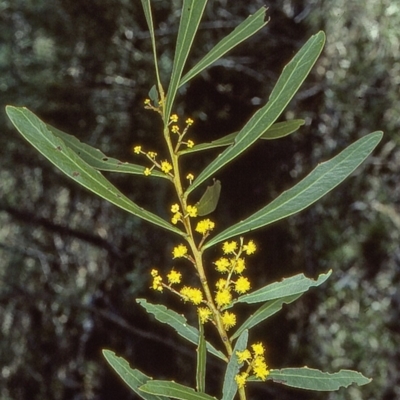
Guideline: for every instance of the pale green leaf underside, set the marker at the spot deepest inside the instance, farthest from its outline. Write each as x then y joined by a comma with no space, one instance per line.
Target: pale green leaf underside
229,388
276,131
174,390
288,83
179,323
132,377
264,312
209,200
320,181
247,28
97,159
66,160
288,286
313,379
192,11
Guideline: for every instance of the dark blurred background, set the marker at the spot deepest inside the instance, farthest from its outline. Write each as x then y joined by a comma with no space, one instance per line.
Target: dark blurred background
71,265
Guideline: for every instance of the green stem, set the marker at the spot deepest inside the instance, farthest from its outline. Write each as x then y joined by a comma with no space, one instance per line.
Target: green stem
196,251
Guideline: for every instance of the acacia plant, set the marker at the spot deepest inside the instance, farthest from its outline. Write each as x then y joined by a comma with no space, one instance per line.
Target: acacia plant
244,360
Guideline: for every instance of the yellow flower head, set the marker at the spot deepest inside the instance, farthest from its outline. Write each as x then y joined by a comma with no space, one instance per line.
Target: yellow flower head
229,247
222,265
228,320
175,129
250,247
241,379
190,144
258,349
157,281
192,211
243,356
173,118
221,284
137,149
175,208
189,177
223,298
176,218
147,171
205,226
260,368
147,102
238,265
189,121
242,285
166,167
152,154
174,277
192,294
179,251
205,314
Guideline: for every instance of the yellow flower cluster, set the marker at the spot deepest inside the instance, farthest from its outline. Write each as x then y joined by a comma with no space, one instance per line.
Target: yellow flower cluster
255,361
205,226
191,211
156,107
157,280
165,166
204,313
193,295
173,120
179,251
234,264
187,293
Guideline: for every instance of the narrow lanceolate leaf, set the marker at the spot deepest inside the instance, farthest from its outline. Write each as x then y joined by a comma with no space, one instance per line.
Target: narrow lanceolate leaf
208,202
276,131
229,388
179,323
174,390
320,181
201,360
149,19
243,31
132,377
98,160
65,159
288,84
295,284
192,11
264,312
313,379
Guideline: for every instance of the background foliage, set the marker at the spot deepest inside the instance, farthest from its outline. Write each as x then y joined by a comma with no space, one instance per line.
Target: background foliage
71,265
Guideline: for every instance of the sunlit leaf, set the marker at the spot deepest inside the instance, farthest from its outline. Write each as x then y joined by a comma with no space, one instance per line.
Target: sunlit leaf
149,19
192,11
313,379
132,377
243,31
264,312
97,159
229,388
276,131
65,159
286,287
288,84
320,181
174,390
179,323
